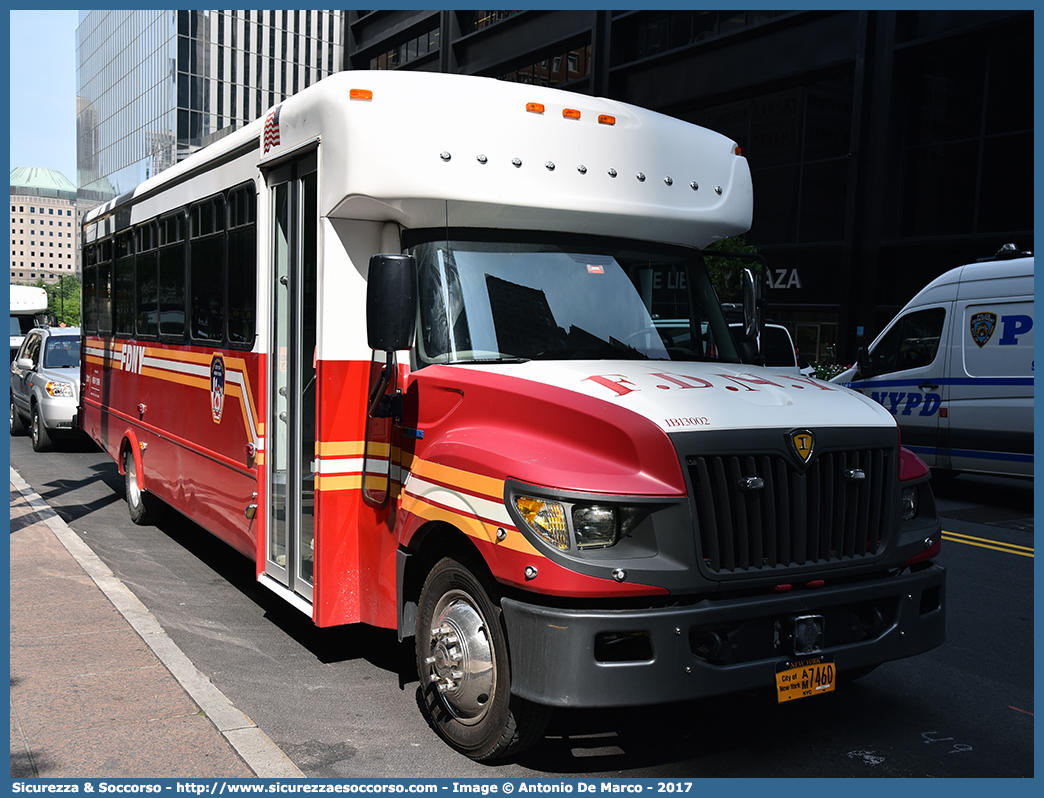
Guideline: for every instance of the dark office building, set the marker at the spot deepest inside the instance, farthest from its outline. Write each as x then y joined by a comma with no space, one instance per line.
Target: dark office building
885,146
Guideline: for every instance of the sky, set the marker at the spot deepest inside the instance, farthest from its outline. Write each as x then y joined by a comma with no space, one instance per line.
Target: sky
43,90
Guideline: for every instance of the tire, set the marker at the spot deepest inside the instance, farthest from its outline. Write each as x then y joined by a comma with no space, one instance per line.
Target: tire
465,674
143,506
38,432
17,423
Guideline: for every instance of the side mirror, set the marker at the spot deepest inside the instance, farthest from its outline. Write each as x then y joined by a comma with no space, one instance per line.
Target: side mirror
391,302
751,301
24,363
863,362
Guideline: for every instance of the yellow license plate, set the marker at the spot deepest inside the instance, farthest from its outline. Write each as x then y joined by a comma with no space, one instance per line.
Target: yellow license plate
805,677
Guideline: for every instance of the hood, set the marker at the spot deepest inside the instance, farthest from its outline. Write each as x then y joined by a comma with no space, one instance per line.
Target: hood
685,397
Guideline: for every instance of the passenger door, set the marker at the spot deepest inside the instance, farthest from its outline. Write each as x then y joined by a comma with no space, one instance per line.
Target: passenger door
291,422
907,366
22,378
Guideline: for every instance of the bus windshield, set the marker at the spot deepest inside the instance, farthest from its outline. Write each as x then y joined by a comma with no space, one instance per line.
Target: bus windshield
574,299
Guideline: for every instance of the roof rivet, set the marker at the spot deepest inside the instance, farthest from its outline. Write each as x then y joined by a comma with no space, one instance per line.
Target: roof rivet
516,162
694,186
668,181
641,177
582,169
612,173
482,159
444,155
718,189
550,166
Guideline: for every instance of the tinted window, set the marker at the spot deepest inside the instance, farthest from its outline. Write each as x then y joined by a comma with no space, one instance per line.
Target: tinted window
912,342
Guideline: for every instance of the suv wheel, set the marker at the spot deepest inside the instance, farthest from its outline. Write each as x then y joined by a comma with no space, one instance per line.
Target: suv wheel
41,439
17,424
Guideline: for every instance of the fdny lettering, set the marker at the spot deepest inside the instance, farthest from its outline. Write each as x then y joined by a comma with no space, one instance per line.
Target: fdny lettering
667,381
894,400
131,358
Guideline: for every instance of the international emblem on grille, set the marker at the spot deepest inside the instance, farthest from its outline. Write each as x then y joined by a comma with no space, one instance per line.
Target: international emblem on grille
982,327
803,442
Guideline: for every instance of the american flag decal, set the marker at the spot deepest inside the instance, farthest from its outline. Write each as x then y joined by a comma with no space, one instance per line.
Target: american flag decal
271,134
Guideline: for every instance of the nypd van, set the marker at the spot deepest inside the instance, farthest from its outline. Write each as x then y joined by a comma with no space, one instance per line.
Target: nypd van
955,367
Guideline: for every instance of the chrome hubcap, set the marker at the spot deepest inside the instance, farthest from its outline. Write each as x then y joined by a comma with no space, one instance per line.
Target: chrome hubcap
133,493
461,664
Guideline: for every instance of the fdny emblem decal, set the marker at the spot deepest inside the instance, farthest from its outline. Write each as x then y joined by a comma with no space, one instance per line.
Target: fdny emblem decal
982,327
217,386
802,441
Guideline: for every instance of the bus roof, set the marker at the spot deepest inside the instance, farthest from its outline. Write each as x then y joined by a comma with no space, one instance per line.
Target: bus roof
429,150
27,299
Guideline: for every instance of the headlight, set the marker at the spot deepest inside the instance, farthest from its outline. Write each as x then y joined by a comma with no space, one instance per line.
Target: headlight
908,502
59,389
566,526
594,527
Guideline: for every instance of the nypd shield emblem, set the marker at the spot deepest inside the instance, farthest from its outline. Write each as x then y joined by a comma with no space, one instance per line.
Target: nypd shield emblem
982,327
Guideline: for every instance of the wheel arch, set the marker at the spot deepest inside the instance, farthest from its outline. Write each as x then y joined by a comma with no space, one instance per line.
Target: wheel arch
432,542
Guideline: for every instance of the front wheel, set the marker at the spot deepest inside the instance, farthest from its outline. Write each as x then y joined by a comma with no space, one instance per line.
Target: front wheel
462,660
38,432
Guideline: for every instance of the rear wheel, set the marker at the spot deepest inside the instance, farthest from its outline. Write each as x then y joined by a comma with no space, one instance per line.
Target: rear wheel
462,660
38,432
144,507
17,424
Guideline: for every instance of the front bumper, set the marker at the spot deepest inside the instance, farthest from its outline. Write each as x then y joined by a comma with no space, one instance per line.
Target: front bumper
59,413
563,657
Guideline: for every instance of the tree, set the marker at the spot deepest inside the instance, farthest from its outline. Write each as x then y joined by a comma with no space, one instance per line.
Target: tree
725,271
63,300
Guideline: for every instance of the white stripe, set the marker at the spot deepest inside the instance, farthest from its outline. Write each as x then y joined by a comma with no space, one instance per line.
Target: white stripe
472,505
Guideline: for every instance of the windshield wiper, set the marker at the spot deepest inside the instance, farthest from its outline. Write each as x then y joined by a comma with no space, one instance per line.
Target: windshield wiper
486,360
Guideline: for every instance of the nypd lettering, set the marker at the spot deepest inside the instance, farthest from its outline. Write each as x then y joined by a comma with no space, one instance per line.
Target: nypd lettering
903,403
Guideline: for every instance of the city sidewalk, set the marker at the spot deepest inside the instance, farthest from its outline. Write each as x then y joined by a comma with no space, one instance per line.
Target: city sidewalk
98,689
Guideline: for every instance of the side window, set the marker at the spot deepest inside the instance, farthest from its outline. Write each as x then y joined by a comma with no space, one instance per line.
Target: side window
172,277
912,342
242,265
207,269
124,284
32,349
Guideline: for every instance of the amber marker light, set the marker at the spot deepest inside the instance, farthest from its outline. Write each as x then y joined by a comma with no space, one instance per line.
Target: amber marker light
605,119
535,108
570,113
360,94
739,150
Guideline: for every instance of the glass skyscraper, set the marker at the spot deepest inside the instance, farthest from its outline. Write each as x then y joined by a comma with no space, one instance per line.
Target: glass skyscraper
154,86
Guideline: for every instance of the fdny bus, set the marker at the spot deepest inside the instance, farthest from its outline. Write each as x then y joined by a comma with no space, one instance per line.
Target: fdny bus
441,355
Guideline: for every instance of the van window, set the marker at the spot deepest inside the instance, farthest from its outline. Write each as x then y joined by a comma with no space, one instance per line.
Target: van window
912,342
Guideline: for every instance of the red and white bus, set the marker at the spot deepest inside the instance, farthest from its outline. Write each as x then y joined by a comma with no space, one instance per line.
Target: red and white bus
440,354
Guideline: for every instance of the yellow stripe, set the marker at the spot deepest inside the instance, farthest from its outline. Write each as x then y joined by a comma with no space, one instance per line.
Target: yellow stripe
486,486
967,540
349,482
470,526
347,448
180,379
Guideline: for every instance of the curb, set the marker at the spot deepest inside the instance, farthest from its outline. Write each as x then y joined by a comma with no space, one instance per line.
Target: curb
262,755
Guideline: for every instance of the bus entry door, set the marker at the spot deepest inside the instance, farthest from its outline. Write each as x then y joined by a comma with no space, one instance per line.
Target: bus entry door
291,422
